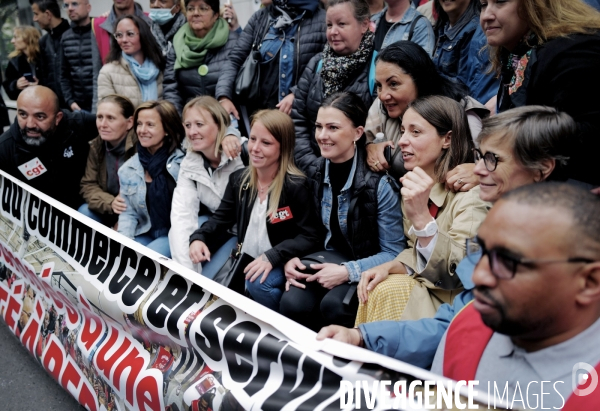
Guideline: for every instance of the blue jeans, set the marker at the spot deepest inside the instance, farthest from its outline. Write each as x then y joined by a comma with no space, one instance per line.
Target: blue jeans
159,244
85,210
268,293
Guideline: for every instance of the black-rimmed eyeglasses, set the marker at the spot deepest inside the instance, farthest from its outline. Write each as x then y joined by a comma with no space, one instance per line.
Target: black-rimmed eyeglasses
504,263
489,159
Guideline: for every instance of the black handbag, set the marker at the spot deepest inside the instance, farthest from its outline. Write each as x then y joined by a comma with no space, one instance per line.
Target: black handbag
247,86
231,275
327,256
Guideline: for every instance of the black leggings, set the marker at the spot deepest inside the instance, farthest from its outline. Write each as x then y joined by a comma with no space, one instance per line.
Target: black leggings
316,307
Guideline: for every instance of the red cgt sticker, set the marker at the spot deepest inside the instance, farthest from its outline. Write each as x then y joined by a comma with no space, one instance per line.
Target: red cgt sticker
283,214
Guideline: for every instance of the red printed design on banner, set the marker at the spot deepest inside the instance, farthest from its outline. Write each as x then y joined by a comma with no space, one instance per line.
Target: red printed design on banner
282,214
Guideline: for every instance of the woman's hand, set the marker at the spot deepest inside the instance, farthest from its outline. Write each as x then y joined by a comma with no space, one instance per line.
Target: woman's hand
416,187
292,274
23,83
461,178
261,265
229,107
231,146
369,280
375,157
199,252
285,105
230,16
329,275
118,205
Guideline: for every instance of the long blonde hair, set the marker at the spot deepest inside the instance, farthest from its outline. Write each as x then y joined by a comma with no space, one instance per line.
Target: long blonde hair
281,126
31,37
550,19
218,114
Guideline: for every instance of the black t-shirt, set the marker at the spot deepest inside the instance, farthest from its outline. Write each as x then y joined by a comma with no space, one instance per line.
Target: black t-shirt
382,28
338,176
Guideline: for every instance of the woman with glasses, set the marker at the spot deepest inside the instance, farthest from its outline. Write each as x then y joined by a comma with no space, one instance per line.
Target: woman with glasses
134,65
435,138
548,53
200,50
518,147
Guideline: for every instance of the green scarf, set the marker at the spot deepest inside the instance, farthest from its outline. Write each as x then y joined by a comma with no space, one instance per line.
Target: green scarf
191,50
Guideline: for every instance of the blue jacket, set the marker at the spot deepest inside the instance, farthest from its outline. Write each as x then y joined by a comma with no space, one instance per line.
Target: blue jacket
422,34
135,220
416,342
389,213
460,54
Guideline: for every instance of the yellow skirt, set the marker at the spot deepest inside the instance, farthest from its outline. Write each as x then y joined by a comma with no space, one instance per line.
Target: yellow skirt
403,297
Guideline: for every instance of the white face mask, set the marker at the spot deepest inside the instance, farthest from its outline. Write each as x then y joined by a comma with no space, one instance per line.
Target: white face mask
161,16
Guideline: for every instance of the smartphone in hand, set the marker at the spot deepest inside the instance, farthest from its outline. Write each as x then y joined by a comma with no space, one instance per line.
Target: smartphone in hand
29,77
387,153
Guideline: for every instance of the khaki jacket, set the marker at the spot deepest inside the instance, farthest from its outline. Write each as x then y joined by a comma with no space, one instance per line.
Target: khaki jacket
93,183
116,78
458,218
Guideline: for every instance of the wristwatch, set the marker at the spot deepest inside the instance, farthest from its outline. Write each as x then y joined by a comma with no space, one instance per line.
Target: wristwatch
430,229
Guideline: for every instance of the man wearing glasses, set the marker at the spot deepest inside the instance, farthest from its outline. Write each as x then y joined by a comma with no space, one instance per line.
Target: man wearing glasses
536,314
80,58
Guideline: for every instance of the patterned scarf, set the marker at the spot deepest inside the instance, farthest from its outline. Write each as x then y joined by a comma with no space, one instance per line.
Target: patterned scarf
517,61
338,70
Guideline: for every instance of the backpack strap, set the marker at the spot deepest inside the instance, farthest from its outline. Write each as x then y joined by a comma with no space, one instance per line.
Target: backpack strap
411,31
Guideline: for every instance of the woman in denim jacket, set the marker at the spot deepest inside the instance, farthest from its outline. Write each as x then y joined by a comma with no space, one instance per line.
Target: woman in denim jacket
148,179
459,52
360,210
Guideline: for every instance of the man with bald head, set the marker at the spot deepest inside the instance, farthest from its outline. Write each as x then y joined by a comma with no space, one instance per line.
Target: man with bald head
48,148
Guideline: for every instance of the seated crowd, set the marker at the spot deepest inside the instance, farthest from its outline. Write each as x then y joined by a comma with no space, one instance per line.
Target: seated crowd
431,186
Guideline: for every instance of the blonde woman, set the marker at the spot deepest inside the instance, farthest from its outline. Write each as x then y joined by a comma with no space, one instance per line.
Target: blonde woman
548,53
271,200
203,177
23,68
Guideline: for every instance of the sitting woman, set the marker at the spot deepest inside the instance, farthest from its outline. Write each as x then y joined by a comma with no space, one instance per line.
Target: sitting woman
134,64
405,72
200,49
518,147
203,177
435,139
346,64
360,211
148,179
272,202
115,144
24,66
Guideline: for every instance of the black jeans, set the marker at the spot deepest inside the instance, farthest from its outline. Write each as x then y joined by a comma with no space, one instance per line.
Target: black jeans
316,307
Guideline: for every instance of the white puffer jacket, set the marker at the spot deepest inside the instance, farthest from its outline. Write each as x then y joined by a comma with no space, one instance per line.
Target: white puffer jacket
116,78
194,186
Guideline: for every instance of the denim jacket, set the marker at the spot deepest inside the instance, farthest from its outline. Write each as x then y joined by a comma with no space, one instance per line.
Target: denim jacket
282,39
135,220
416,342
422,35
460,54
389,217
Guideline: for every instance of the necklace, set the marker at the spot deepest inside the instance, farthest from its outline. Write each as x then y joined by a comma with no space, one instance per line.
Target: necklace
261,189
